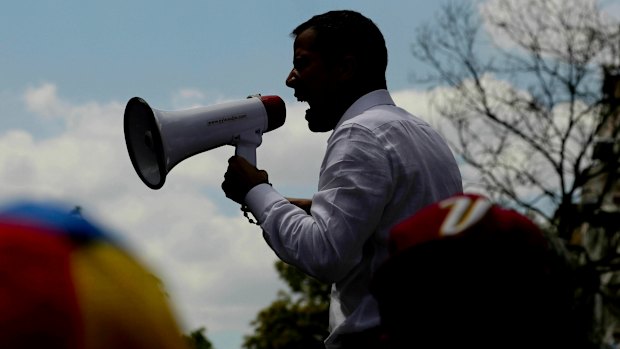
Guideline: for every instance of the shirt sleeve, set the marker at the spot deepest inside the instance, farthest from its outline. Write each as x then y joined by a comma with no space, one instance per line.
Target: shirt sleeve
354,187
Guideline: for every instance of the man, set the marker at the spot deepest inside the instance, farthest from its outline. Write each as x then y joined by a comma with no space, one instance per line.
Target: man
381,165
465,273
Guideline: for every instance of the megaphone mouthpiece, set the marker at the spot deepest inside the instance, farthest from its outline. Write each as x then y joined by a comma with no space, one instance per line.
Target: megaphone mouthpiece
276,111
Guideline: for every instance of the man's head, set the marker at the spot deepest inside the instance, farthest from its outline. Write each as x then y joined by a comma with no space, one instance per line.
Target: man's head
338,57
465,272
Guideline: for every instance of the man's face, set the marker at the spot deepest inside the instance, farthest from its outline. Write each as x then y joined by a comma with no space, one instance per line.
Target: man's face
316,83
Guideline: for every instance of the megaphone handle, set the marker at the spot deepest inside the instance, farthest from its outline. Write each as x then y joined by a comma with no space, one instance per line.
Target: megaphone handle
246,151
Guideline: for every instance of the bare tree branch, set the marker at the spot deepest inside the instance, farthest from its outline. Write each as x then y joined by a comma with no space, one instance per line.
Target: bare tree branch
521,85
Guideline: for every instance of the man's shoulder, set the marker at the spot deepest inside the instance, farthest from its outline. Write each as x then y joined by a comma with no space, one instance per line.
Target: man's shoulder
385,116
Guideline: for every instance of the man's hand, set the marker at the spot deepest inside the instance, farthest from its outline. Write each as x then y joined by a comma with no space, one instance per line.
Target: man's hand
240,177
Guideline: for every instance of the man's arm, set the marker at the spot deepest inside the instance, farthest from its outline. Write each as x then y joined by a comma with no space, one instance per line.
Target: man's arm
304,204
354,186
242,176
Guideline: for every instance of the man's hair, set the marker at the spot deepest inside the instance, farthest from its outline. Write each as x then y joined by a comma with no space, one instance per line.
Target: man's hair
343,32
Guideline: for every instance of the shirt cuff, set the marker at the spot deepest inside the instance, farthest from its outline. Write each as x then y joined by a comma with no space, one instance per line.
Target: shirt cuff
260,198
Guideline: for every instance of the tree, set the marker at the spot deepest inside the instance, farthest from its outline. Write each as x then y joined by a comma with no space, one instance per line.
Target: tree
198,340
296,319
519,84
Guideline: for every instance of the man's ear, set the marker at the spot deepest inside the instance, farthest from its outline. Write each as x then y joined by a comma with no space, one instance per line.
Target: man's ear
348,68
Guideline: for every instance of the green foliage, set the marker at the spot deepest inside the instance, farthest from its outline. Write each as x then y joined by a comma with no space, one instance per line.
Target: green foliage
296,319
309,288
198,340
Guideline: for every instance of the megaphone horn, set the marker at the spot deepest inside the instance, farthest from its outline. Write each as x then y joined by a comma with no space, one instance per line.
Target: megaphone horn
157,140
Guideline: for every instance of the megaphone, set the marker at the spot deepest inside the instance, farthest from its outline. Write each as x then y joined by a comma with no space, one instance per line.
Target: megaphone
158,140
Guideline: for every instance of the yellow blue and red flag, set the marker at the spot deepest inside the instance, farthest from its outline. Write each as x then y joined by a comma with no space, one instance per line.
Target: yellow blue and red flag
65,283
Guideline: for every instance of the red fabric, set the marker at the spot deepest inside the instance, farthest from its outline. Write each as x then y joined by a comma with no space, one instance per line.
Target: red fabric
473,217
38,306
465,273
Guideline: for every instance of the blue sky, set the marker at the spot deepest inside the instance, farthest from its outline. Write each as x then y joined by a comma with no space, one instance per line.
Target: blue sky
113,50
67,69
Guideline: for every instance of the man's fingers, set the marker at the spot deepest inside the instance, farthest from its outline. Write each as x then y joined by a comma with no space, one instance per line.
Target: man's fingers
238,163
240,177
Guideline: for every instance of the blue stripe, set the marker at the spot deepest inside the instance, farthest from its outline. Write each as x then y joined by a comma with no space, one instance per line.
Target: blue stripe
57,217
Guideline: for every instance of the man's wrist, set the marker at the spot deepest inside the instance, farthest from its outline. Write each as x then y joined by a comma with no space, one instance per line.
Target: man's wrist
260,197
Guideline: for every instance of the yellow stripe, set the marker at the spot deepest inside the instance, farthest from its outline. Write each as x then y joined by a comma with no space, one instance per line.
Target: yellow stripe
123,305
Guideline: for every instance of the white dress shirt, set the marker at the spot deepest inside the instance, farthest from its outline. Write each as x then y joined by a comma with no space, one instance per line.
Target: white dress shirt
382,164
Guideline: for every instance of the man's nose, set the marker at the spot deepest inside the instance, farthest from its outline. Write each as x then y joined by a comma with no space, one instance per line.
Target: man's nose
291,79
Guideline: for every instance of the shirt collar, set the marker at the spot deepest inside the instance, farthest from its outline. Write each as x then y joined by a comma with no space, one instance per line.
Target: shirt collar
367,101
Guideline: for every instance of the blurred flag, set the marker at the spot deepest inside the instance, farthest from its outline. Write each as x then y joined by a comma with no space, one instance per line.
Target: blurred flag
66,283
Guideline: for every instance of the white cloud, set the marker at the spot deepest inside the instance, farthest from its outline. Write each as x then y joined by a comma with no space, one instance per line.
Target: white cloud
43,100
415,102
188,98
612,9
